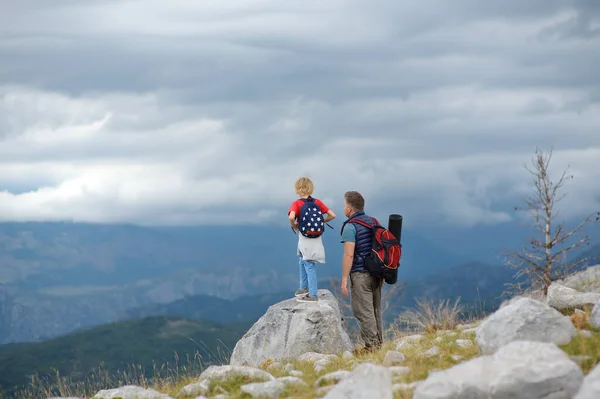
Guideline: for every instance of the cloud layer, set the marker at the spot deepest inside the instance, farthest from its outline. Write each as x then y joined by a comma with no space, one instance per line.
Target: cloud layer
202,112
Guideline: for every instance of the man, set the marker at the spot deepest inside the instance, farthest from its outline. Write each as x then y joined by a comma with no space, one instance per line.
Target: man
365,289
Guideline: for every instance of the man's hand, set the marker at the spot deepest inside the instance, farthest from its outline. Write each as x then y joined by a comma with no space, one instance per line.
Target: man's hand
345,287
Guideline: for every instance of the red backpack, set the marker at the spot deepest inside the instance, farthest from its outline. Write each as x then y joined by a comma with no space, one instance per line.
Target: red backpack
386,251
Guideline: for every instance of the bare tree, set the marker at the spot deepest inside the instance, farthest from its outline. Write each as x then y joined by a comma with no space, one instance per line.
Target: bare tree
544,259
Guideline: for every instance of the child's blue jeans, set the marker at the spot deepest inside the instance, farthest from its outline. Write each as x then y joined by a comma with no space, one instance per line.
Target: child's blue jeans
308,276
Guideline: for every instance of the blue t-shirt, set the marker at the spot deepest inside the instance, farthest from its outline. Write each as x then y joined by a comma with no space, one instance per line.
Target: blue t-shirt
349,233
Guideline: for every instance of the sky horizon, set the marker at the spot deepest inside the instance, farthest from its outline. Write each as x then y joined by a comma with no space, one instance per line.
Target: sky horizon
190,113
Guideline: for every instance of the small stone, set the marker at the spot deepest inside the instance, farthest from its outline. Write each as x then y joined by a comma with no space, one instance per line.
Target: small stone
586,333
469,331
288,367
438,340
393,358
296,373
402,345
464,343
130,392
331,378
431,352
274,366
313,357
270,389
456,358
321,365
413,338
195,389
579,311
292,381
347,356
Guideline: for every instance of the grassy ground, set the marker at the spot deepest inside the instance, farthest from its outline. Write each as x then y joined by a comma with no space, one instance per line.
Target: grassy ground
171,381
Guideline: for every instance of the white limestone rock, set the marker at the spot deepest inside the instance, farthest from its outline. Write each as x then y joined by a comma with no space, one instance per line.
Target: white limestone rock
525,319
518,370
290,328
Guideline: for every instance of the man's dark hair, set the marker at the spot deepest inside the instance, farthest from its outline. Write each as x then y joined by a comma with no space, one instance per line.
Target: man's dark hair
355,200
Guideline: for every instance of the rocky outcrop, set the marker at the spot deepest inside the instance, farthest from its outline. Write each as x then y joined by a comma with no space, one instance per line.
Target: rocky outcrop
291,328
367,381
526,319
562,297
521,369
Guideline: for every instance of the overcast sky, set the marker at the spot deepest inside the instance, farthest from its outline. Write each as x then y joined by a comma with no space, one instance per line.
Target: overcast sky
202,111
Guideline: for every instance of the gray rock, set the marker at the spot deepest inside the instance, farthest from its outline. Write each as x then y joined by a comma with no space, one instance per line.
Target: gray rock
296,373
292,381
456,358
518,370
324,390
431,352
586,333
321,365
587,280
367,381
590,389
221,373
313,357
393,358
290,328
270,389
403,386
347,356
464,343
561,297
412,338
403,345
331,378
130,392
526,319
595,316
288,367
195,389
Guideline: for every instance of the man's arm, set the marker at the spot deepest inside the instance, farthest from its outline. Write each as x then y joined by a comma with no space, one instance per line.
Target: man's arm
347,259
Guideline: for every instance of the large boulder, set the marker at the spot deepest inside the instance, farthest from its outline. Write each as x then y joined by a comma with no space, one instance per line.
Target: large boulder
590,389
290,328
367,381
519,370
562,297
526,319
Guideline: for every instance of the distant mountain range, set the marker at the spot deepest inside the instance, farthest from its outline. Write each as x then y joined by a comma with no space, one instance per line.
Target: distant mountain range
56,278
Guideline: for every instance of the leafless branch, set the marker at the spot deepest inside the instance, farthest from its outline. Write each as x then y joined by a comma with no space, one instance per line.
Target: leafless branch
541,261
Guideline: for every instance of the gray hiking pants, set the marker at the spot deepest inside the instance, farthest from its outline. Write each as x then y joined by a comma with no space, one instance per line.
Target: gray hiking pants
366,306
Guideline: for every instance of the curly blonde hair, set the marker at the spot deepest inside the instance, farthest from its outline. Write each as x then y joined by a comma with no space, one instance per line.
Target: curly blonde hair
304,187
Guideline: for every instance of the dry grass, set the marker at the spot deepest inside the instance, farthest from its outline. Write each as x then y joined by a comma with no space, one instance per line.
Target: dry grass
430,316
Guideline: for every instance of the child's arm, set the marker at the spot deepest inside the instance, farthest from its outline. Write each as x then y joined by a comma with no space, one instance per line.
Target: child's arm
330,216
292,218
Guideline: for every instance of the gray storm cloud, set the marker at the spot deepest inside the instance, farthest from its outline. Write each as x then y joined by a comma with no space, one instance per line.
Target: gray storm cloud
186,111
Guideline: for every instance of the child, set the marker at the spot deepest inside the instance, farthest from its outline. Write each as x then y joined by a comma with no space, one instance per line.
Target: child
310,249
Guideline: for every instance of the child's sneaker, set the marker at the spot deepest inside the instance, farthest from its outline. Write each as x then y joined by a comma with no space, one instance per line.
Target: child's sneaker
308,298
301,292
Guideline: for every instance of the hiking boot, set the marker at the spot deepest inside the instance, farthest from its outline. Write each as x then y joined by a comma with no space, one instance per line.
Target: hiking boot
308,298
301,292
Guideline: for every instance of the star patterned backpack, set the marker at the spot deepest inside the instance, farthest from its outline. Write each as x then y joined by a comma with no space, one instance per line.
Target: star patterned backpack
311,222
